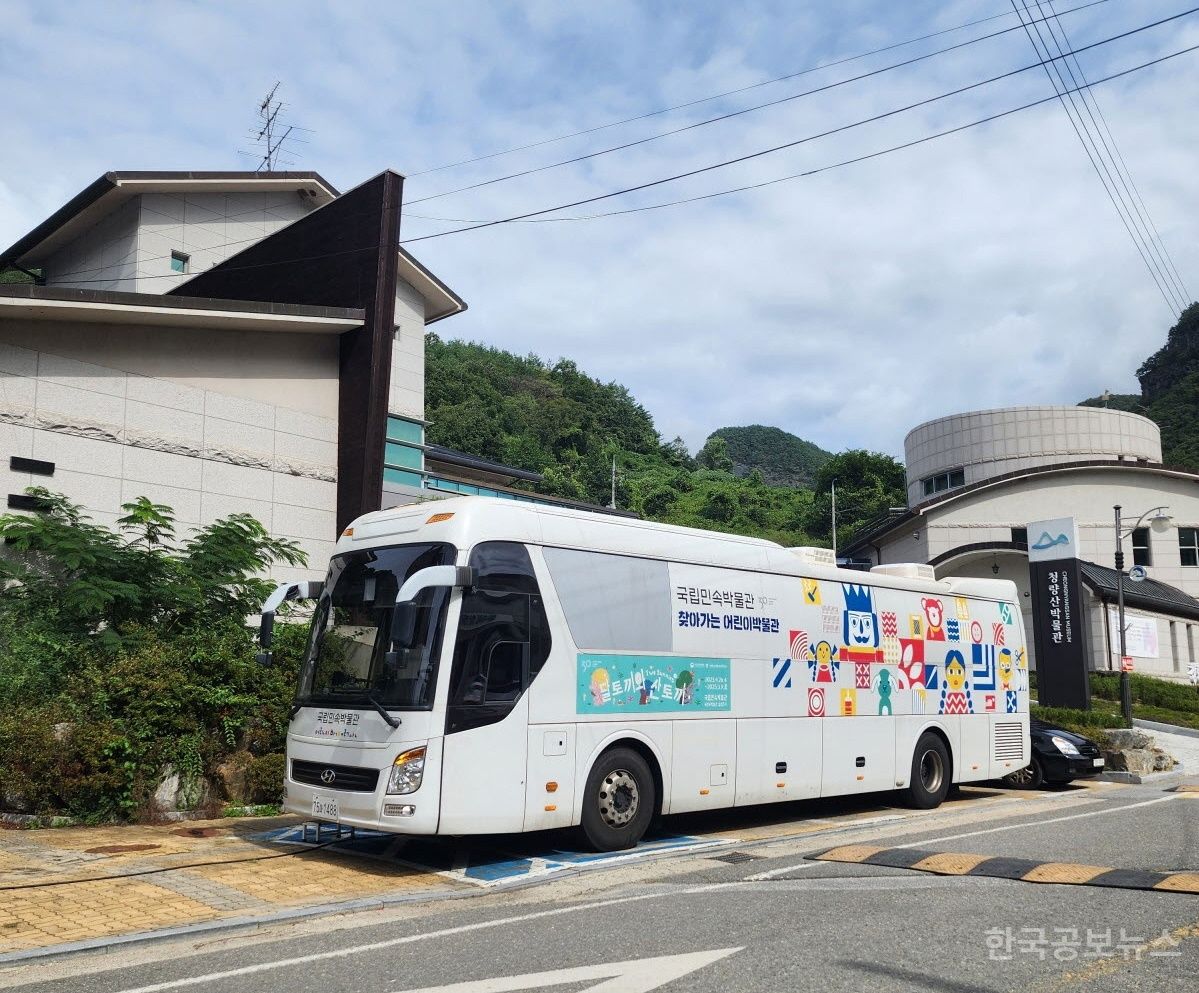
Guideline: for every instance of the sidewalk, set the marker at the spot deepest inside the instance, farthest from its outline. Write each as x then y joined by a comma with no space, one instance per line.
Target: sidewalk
65,885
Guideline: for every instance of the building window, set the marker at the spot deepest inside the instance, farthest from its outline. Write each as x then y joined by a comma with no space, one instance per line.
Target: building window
404,454
179,261
1188,546
1020,536
944,481
1140,547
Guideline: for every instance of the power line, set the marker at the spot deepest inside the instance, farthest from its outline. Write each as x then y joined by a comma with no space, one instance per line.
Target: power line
1152,259
1091,148
726,93
1171,267
731,114
790,144
870,155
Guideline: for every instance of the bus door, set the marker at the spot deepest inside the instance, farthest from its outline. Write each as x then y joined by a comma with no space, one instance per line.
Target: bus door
502,642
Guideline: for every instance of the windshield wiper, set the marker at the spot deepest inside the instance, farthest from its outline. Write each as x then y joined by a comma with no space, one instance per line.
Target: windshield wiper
383,711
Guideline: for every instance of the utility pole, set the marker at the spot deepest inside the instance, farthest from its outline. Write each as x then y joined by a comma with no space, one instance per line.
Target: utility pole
613,502
833,486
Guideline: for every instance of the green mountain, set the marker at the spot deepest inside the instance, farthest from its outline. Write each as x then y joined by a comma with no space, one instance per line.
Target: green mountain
782,458
556,420
1169,392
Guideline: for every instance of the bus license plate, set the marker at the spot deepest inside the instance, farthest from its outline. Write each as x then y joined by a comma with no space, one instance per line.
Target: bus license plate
324,806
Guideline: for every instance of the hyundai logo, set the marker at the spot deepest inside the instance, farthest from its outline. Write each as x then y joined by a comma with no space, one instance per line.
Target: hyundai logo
327,776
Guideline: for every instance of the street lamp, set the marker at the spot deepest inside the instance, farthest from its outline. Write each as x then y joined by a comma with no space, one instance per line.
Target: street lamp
1159,520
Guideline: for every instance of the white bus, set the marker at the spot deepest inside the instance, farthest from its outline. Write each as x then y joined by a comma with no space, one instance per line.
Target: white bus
480,666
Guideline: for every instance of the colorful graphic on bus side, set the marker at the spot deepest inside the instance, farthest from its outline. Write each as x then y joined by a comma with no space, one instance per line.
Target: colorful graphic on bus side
620,684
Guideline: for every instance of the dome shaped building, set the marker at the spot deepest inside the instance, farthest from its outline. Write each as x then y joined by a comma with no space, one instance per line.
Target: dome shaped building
976,480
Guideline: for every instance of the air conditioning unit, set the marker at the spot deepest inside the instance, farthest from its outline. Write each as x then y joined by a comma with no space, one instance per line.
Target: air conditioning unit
816,556
907,570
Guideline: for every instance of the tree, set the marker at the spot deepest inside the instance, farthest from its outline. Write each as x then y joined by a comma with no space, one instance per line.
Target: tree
868,485
715,455
125,659
93,581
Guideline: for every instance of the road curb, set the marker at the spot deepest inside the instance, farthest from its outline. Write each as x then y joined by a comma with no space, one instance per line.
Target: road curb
1145,779
1165,728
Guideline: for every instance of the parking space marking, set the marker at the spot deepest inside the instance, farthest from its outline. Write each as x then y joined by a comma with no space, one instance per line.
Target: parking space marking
1003,867
1051,820
488,865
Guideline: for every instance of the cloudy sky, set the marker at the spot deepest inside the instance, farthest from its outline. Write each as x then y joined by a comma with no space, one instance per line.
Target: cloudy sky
986,268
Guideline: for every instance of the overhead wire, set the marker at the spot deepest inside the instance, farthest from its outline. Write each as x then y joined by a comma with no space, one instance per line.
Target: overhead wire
726,93
1090,146
586,156
1172,268
879,153
791,144
1097,139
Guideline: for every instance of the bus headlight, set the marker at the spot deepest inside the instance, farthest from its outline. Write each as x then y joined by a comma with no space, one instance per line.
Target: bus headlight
407,771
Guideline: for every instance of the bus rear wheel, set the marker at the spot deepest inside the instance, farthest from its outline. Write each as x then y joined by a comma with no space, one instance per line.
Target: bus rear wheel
929,784
619,801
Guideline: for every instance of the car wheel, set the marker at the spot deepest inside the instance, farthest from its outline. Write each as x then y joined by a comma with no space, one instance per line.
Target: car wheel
619,802
1031,777
930,773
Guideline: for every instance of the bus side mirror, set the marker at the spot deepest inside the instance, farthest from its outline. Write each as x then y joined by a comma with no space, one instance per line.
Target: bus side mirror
266,635
309,590
403,625
404,614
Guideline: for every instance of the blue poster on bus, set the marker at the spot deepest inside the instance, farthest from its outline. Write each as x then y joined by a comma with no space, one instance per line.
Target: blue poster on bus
625,684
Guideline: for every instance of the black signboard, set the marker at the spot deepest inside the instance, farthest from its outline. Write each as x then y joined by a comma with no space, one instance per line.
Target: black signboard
1060,632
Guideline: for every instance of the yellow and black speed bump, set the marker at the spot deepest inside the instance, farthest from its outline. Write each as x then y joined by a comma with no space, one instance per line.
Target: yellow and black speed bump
1026,870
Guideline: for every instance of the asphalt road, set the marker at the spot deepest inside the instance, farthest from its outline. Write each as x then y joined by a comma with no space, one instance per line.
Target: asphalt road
778,921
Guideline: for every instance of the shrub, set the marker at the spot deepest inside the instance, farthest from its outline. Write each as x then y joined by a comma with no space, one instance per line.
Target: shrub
123,654
1148,690
264,779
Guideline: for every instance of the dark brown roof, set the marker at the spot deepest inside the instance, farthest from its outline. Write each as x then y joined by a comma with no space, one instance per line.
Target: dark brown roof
28,291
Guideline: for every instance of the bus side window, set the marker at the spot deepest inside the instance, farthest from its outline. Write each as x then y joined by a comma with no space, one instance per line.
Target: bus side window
503,637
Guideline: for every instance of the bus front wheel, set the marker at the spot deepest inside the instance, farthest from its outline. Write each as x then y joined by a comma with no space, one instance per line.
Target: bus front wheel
619,801
929,784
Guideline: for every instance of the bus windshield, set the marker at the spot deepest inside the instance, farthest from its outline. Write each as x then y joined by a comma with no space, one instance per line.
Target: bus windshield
346,663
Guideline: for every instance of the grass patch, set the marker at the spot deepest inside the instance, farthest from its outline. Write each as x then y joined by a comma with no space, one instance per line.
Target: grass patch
1148,690
1163,715
254,810
1153,699
1089,723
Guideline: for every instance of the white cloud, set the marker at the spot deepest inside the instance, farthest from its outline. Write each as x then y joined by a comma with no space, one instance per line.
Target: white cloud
980,270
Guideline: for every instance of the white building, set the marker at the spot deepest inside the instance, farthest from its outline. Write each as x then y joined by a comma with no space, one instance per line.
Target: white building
219,342
976,480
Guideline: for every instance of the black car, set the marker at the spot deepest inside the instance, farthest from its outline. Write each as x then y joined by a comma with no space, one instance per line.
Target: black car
1058,757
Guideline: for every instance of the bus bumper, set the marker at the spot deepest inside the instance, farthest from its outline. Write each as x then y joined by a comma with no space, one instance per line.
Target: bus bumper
415,813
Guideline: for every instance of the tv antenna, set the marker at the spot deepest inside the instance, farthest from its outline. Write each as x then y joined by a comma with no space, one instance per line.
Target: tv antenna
272,133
